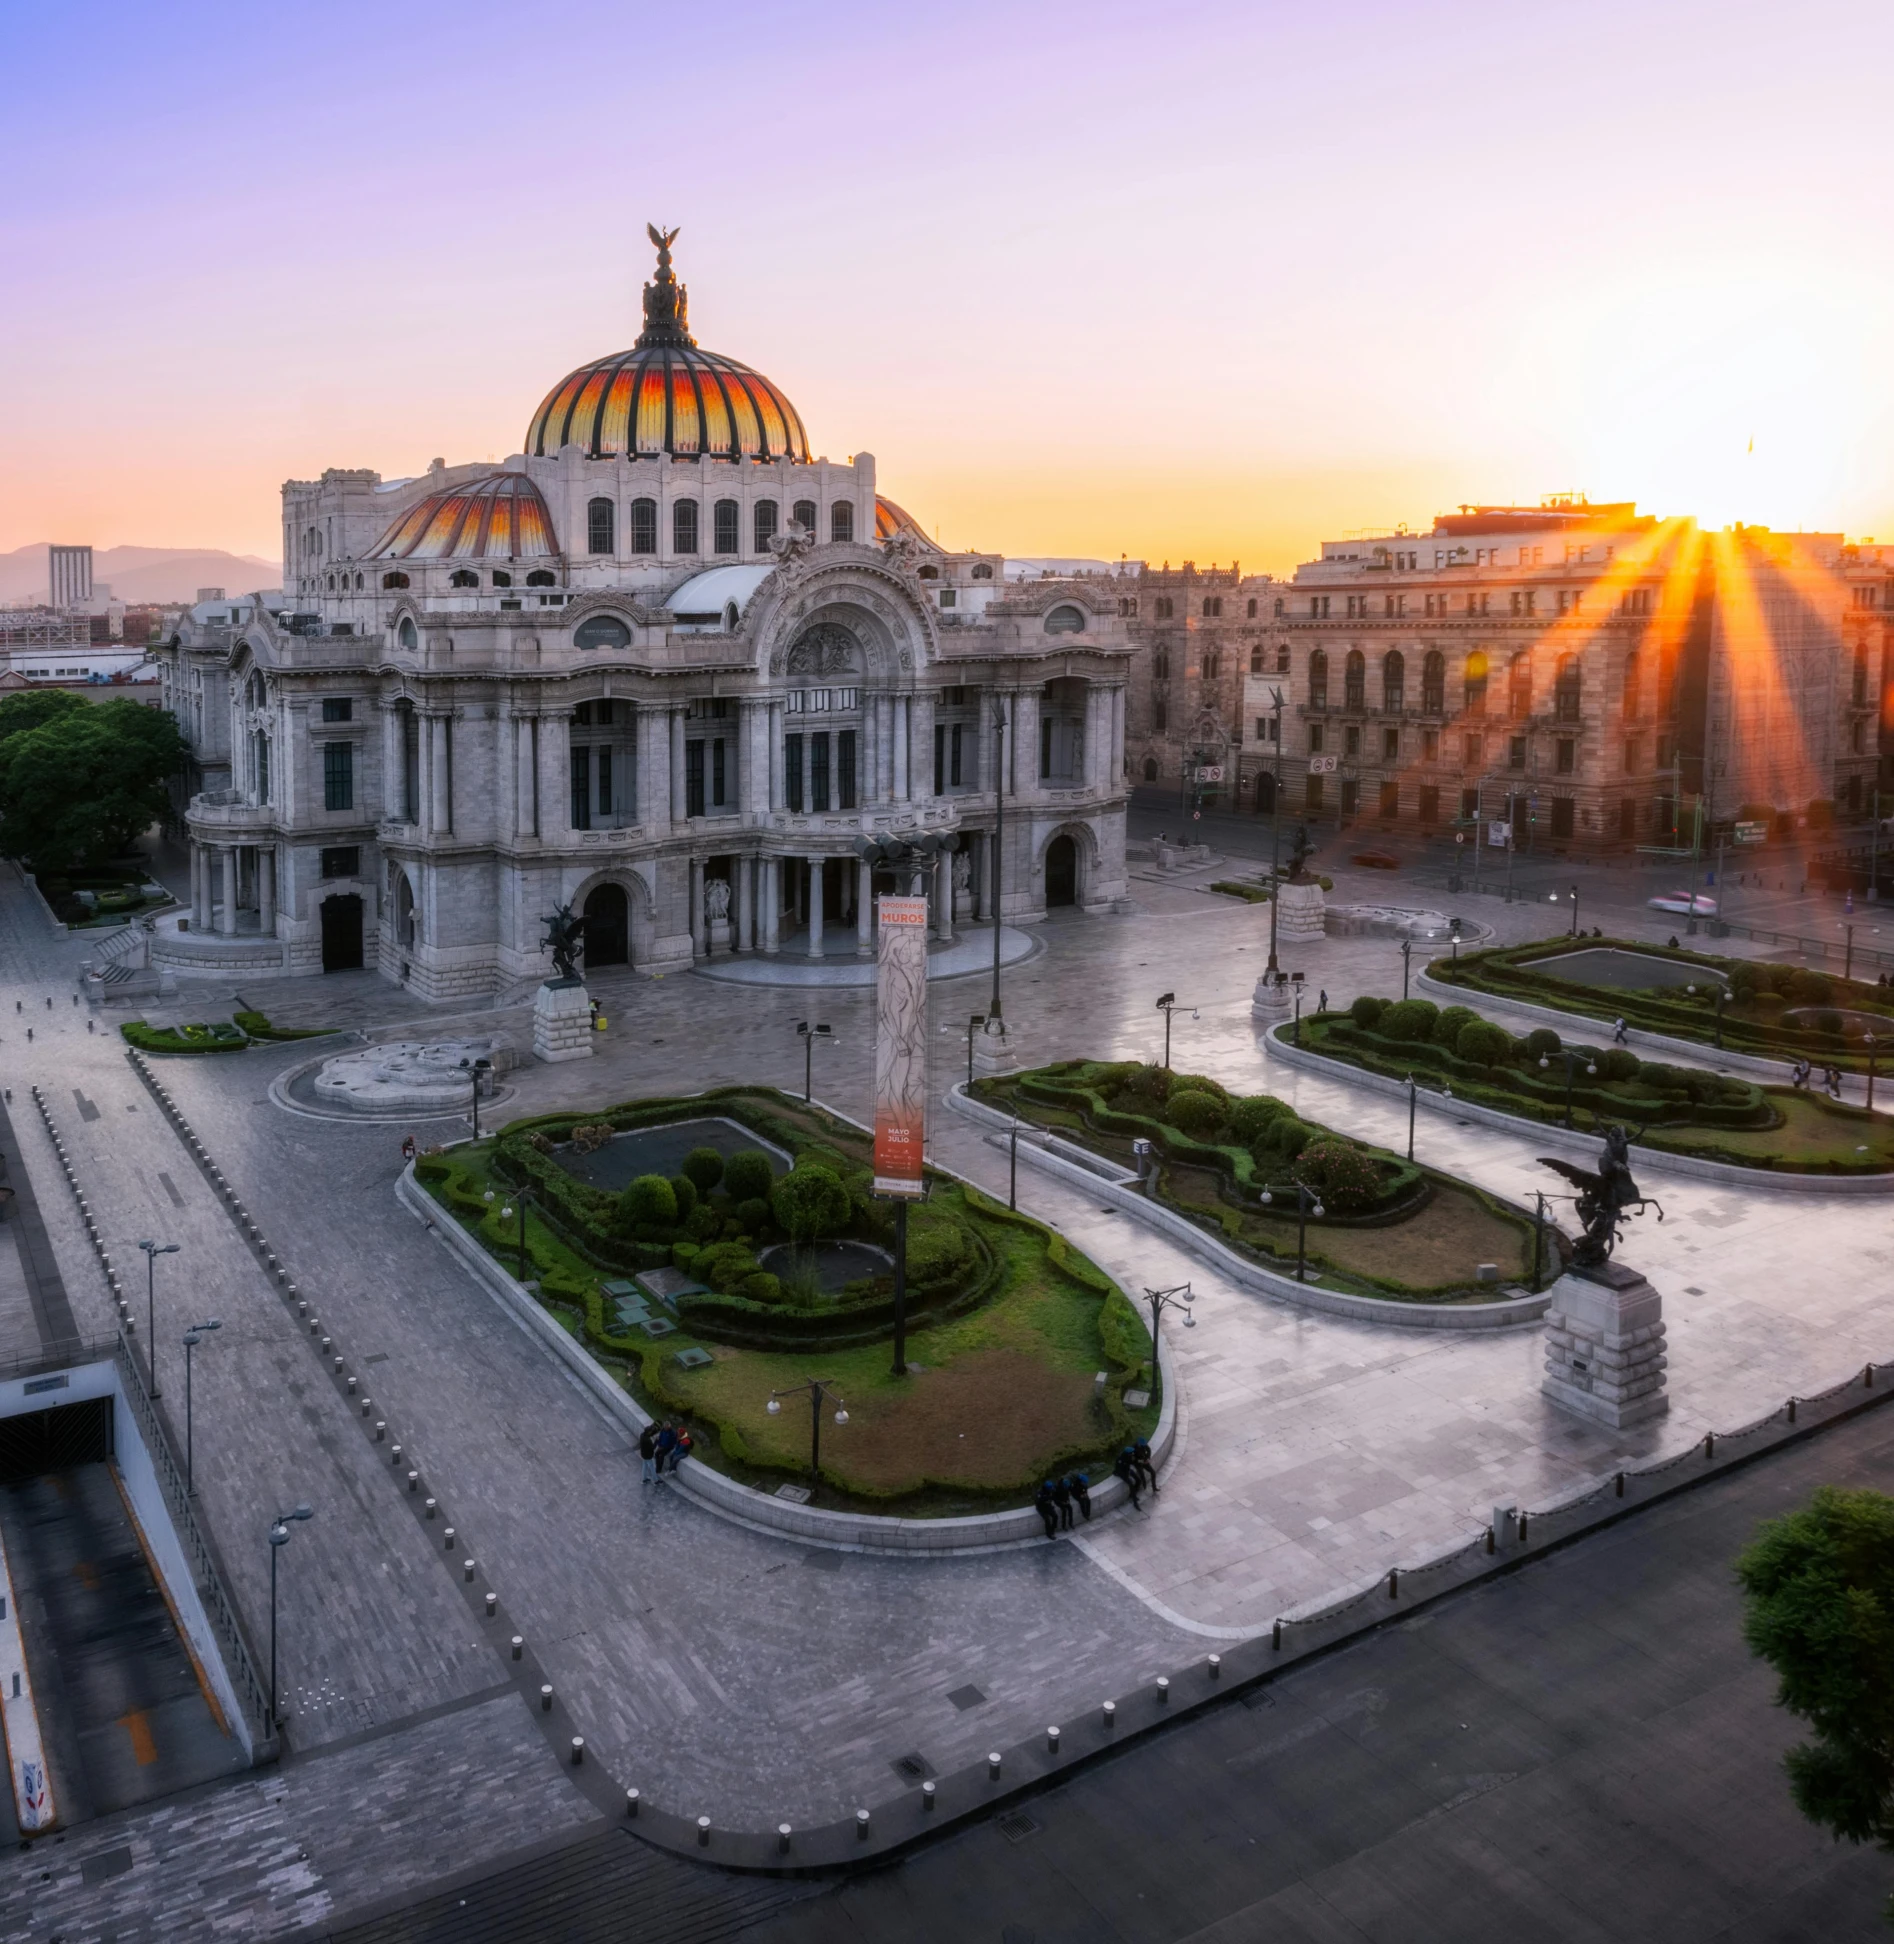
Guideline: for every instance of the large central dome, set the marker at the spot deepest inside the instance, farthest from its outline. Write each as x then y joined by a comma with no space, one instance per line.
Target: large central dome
665,395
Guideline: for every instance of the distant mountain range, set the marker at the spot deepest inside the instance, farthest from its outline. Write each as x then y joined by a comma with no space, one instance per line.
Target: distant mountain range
136,574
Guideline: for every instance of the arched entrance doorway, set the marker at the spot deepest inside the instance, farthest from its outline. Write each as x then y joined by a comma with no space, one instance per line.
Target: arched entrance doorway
1062,873
1265,792
607,927
342,933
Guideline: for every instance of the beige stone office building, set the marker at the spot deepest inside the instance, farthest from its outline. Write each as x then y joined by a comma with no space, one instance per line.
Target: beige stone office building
665,664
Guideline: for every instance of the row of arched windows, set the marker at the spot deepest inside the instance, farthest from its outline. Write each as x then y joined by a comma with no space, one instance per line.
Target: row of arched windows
726,519
1567,687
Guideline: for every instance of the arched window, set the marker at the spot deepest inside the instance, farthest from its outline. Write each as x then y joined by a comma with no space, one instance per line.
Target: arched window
1477,671
1355,680
765,523
501,578
723,525
928,573
601,524
1394,681
1519,685
1861,679
803,513
601,631
1256,662
684,527
1566,690
463,577
542,577
1150,769
332,583
1160,715
842,520
406,635
983,570
1633,687
1318,679
1434,683
391,581
644,526
1161,663
1252,607
358,583
1065,620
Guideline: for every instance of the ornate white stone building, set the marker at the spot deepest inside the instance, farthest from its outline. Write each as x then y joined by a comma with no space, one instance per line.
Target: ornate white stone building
663,665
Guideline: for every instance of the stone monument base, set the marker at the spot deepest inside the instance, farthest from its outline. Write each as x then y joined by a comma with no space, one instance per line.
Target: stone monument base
994,1051
562,1021
1270,1000
1604,1346
1301,913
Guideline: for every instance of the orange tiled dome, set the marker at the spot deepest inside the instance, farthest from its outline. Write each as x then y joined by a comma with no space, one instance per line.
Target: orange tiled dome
665,395
500,517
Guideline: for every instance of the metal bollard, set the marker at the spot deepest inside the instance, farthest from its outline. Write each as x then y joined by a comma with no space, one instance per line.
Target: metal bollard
519,1645
1523,1517
1163,1690
1215,1666
338,1367
861,1824
545,1698
414,1481
467,1570
352,1381
1052,1741
1709,1445
328,1343
783,1833
1111,1716
448,1537
993,1768
1275,1635
578,1750
1618,1485
431,1502
1394,1582
394,1454
493,1604
703,1832
927,1795
631,1802
368,1404
1792,1410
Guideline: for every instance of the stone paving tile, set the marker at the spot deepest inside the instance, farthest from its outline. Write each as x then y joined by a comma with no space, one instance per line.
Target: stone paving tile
291,1848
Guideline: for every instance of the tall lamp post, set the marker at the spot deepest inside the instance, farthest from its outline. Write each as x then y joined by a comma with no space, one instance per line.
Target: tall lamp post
994,1015
1407,960
279,1538
1413,1091
479,1069
1869,1038
1275,825
192,1338
153,1250
1166,1005
1178,1297
809,1035
1574,911
1571,1068
820,1391
1307,1203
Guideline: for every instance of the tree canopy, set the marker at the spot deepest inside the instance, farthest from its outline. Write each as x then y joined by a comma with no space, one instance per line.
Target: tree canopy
810,1202
1820,1592
79,781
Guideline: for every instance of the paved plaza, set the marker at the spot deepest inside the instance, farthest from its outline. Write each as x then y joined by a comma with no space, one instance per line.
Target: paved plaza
735,1674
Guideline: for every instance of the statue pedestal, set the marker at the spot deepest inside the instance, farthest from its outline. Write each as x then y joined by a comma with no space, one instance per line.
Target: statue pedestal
562,1021
994,1052
1270,1001
722,935
1300,913
1604,1346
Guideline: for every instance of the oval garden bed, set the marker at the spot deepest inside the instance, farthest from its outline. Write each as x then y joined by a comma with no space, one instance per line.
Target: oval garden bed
1686,1111
663,1279
1389,1228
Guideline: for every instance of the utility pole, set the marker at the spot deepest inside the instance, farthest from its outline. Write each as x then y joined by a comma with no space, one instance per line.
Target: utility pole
1275,828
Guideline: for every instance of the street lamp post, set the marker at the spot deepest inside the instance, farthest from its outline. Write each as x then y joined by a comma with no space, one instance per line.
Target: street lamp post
153,1250
809,1035
1407,960
1571,1068
1538,1242
1012,1164
506,1215
1413,1093
192,1338
1178,1297
279,1538
1307,1204
1166,1005
974,1022
1869,1037
1574,911
1275,827
1296,1029
821,1390
999,848
1722,1000
478,1070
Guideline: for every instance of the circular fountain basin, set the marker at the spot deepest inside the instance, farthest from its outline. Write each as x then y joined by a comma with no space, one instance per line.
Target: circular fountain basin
835,1264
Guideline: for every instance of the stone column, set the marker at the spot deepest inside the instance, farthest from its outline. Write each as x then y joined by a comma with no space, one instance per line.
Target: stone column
700,933
677,766
526,775
864,909
769,891
227,917
1024,744
440,734
746,904
1094,738
555,774
200,886
774,732
921,747
266,889
816,871
944,897
391,760
1115,750
900,790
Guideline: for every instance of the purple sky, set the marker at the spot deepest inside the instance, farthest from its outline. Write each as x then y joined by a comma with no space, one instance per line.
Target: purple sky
1195,280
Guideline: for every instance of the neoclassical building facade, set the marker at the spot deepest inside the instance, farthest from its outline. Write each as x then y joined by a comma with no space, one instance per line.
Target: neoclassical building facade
664,665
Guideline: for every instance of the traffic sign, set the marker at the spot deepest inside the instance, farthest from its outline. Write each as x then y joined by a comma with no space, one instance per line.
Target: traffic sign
1499,834
1322,765
1751,833
1209,772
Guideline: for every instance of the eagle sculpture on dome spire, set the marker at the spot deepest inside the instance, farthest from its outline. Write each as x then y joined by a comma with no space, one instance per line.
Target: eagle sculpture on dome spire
666,301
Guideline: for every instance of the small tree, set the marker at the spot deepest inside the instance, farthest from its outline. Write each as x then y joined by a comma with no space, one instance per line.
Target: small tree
810,1202
647,1203
748,1176
1820,1591
704,1167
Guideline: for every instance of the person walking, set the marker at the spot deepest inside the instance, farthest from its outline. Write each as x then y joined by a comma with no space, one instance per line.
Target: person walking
1619,1037
1321,1004
1062,1498
1043,1503
1081,1492
1831,1082
1127,1469
648,1451
1141,1457
665,1446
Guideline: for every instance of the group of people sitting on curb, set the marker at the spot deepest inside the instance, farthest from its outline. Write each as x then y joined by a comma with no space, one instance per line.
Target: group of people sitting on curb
1057,1497
663,1447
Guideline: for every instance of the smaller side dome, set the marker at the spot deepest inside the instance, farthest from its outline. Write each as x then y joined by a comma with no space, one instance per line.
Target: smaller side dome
500,517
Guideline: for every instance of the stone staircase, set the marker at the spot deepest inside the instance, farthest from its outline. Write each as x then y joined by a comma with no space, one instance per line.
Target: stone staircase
122,973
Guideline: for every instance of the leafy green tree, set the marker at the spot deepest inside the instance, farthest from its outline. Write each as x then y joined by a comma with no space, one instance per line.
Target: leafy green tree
647,1202
810,1202
704,1168
1819,1586
30,709
748,1176
79,787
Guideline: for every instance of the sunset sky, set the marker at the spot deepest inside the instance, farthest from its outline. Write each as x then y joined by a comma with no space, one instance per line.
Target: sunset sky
1195,280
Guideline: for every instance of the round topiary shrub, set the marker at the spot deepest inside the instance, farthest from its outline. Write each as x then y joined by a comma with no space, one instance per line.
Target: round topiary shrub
1542,1043
762,1287
748,1176
1366,1011
1344,1177
1409,1019
1195,1113
1746,981
752,1214
1782,978
703,1167
1145,1091
1284,1139
1665,1079
1447,1026
1618,1064
725,1266
1483,1044
1250,1116
685,1189
810,1202
1829,1021
1198,1083
649,1202
1808,988
704,1223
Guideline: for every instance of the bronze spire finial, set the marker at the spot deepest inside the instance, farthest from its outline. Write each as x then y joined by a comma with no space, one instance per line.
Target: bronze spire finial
666,302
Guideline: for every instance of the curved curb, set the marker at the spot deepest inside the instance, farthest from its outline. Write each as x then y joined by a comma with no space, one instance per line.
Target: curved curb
278,1091
761,1511
1507,1314
1657,1159
1751,1064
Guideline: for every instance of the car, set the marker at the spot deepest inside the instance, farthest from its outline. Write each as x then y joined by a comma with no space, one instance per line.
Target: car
1376,860
1683,905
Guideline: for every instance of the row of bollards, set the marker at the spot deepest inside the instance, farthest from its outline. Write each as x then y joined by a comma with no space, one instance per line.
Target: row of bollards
125,1320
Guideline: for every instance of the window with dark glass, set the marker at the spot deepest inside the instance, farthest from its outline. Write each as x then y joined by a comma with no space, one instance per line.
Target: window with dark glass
581,787
694,777
1434,684
724,526
845,770
542,577
684,527
601,631
1562,816
600,526
1567,690
1390,806
954,746
394,580
1351,796
1318,680
940,757
1476,673
501,578
1355,680
842,520
410,766
463,577
803,513
764,519
819,771
338,776
1394,681
1516,753
1469,804
342,861
604,767
263,768
716,773
644,526
338,708
1351,740
792,772
1315,794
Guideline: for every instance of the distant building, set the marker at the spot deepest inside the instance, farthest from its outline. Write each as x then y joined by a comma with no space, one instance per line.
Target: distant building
69,572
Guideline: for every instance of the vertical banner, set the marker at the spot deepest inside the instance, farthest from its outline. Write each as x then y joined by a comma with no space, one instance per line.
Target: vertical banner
900,1045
